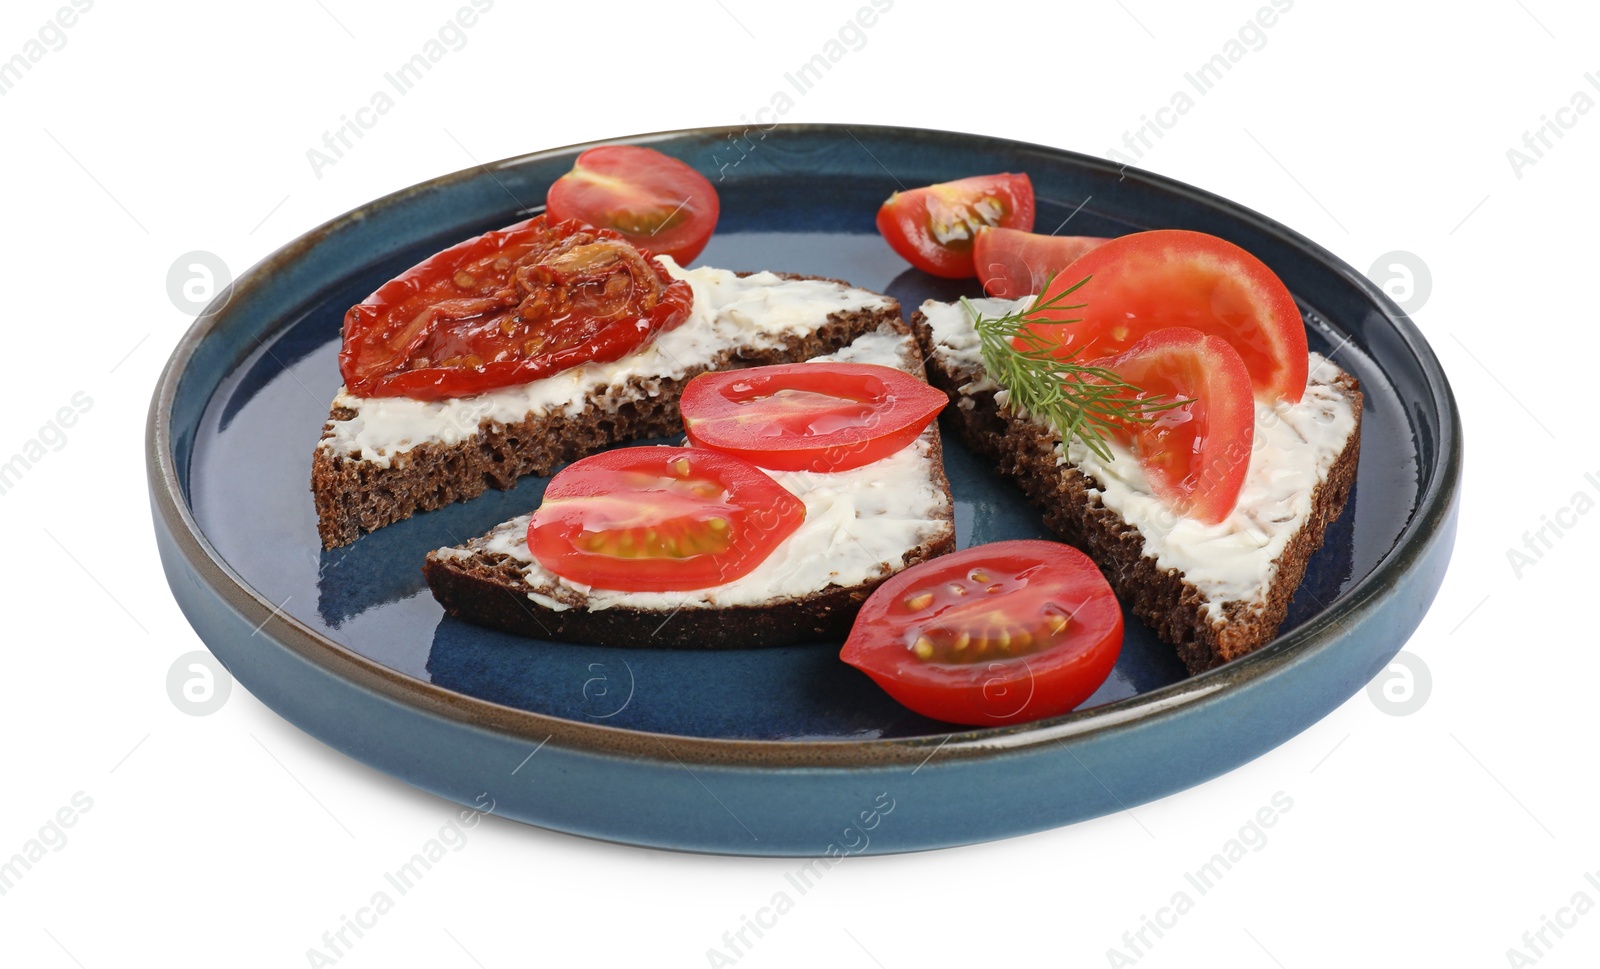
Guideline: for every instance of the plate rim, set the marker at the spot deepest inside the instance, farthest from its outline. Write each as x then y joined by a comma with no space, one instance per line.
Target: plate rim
1318,633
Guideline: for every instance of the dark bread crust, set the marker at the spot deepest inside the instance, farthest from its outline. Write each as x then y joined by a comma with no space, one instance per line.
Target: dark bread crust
489,589
1024,451
354,497
484,591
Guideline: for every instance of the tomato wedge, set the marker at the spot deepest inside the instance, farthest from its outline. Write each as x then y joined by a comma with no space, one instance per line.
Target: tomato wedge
993,634
660,519
655,201
1014,264
1173,277
808,416
933,228
1195,455
508,307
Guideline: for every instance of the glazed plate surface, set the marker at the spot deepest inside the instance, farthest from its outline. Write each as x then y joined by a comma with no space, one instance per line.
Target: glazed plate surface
770,751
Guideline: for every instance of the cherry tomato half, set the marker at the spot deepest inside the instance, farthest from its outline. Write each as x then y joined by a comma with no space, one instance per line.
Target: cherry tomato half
1196,454
933,228
993,634
505,308
808,416
660,519
655,201
1173,277
1014,264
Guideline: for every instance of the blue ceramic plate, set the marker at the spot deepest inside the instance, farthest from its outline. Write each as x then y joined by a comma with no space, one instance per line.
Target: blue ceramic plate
770,751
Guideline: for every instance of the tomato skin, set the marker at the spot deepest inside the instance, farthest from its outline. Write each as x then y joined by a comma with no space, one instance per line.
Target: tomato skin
654,200
1174,277
769,415
453,325
1035,584
1196,456
1013,264
645,519
933,227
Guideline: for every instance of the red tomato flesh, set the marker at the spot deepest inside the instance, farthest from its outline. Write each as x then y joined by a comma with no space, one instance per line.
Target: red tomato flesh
1195,455
994,634
1014,264
655,201
510,306
660,519
934,228
808,416
1173,277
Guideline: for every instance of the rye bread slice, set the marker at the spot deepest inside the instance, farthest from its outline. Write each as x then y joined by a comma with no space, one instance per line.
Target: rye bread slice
482,583
1026,451
354,495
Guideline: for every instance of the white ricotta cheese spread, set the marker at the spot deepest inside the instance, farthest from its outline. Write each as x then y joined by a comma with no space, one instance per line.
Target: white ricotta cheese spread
859,523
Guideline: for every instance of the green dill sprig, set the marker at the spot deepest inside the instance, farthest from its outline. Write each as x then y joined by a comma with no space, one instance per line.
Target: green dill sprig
1078,400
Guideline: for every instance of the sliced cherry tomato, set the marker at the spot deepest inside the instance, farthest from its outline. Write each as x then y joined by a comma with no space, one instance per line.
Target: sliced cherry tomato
507,307
1195,454
660,519
1014,264
933,228
655,201
1173,277
993,634
808,416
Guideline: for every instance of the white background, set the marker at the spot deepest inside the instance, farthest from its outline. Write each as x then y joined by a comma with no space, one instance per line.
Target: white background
1436,838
